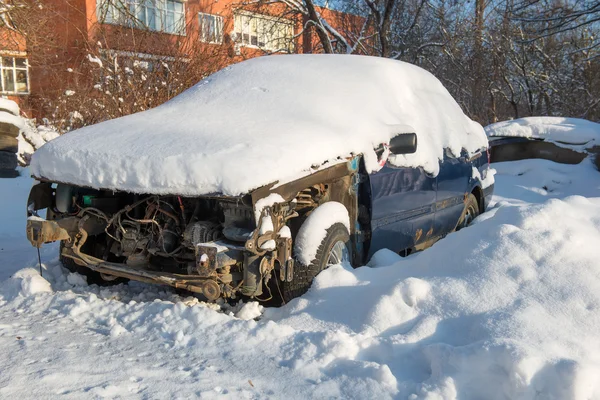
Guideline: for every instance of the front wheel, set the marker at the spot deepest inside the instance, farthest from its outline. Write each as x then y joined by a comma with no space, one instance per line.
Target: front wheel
334,249
470,212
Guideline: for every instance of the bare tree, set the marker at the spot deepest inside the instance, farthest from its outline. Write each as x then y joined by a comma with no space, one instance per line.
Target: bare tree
123,68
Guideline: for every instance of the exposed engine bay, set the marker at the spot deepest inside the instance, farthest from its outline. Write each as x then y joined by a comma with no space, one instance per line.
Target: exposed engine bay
214,245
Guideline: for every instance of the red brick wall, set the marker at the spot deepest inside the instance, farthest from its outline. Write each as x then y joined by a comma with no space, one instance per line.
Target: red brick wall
73,28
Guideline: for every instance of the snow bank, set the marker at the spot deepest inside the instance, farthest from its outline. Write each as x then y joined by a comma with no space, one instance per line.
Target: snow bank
509,308
265,120
25,282
506,309
565,130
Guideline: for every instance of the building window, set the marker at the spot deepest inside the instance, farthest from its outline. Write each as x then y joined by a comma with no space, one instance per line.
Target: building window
269,33
156,15
15,75
211,28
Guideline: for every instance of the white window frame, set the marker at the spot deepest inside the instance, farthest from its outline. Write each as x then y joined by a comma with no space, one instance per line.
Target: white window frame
265,27
217,22
14,70
111,12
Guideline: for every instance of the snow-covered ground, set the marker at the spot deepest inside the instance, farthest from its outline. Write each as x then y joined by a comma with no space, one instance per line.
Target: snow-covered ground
506,309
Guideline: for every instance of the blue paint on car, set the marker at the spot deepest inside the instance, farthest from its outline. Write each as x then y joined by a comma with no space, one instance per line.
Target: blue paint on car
409,207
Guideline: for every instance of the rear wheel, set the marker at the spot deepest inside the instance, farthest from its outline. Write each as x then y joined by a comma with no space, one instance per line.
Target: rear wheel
334,249
93,277
470,212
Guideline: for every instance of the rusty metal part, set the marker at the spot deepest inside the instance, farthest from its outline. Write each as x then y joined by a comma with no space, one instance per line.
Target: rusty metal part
40,197
252,277
280,214
285,260
217,255
196,285
43,231
211,290
289,190
311,196
267,264
418,235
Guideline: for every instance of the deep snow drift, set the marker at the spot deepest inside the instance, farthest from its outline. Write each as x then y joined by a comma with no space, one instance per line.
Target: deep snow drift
557,129
264,120
506,309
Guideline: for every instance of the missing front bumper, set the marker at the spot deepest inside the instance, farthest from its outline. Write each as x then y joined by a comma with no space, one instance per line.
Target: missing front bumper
208,287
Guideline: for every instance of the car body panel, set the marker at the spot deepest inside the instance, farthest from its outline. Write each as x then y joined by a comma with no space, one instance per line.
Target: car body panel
452,184
410,207
403,201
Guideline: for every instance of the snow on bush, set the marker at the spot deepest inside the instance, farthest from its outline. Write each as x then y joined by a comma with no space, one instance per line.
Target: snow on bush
558,129
10,106
30,137
314,229
265,120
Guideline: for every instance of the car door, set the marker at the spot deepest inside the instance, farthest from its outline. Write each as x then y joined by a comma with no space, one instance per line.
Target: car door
452,185
403,207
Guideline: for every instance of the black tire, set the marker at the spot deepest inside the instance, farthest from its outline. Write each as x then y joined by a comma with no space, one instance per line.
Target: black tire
9,144
304,275
92,277
470,212
8,161
9,129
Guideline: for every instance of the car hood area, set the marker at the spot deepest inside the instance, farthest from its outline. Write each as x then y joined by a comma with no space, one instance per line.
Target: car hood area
269,119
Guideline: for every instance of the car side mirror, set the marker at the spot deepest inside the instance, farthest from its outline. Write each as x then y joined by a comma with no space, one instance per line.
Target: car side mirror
405,143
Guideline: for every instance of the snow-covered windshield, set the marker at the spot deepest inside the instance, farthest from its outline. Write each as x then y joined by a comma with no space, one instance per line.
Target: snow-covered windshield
265,120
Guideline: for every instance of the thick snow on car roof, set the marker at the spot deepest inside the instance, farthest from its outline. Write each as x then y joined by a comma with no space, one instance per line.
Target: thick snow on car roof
264,120
558,129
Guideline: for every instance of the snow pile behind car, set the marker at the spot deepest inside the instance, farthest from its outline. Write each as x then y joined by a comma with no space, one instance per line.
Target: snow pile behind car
573,131
265,120
506,309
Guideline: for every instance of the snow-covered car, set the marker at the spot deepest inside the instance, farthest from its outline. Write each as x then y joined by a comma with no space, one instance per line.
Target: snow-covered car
558,139
262,175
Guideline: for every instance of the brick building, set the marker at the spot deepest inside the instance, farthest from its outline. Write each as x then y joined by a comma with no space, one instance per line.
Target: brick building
72,33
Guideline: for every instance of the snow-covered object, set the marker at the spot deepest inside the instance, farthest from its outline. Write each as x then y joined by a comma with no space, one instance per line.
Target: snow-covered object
489,177
249,311
557,129
265,120
268,201
314,229
25,282
12,119
32,138
10,106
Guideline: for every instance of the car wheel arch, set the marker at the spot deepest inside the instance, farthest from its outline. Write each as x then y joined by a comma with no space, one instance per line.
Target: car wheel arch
477,191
